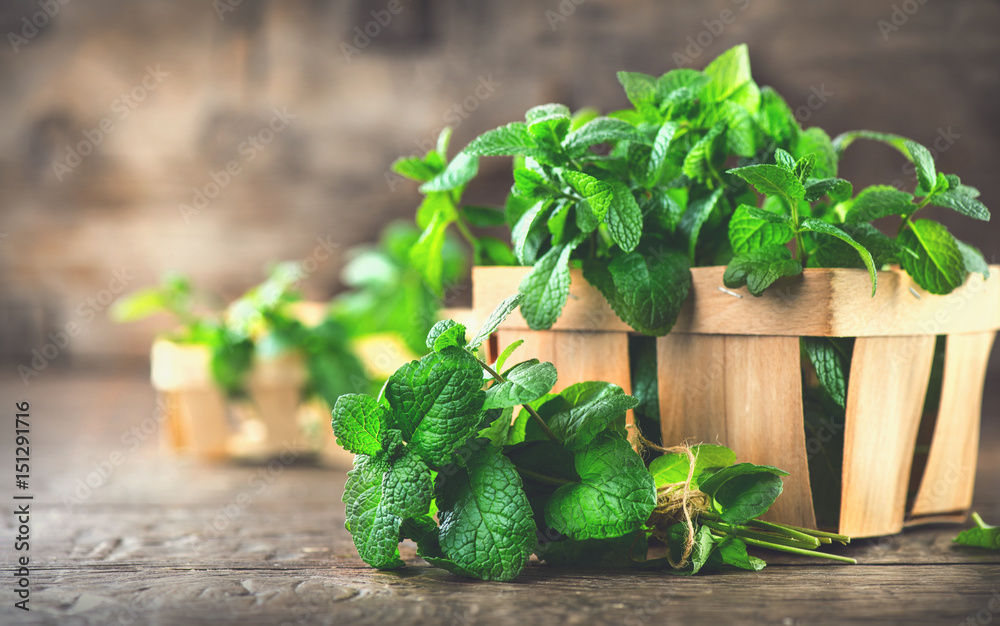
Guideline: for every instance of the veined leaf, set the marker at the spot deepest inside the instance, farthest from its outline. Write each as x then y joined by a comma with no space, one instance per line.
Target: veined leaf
748,232
510,140
772,180
695,216
879,201
459,172
819,226
358,423
598,193
624,218
962,202
525,382
760,268
924,163
939,267
600,130
729,72
975,263
546,287
496,318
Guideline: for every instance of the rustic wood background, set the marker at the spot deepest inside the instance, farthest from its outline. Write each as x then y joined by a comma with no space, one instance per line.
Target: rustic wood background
924,69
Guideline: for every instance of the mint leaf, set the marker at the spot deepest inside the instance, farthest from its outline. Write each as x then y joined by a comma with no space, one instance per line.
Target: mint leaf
532,184
734,553
526,234
525,382
491,251
804,166
744,497
459,172
729,72
597,193
646,289
505,354
673,467
698,162
482,217
815,141
427,255
589,409
981,536
748,232
544,111
614,496
759,268
975,263
829,367
819,226
838,189
742,132
775,117
358,422
924,163
486,522
879,201
374,529
658,156
939,266
601,130
713,483
496,318
624,218
961,201
695,216
436,402
414,168
844,140
546,287
772,180
784,160
510,140
639,88
446,333
497,431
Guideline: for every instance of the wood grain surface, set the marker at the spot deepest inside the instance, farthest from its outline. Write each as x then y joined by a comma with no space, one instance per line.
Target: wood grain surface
158,541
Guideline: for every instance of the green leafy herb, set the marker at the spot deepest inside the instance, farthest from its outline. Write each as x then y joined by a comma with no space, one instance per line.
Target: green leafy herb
982,535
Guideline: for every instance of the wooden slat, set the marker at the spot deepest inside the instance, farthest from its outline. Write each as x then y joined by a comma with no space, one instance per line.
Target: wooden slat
711,390
199,426
949,477
888,381
819,303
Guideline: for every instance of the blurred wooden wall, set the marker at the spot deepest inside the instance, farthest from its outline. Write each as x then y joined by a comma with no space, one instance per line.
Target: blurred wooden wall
927,70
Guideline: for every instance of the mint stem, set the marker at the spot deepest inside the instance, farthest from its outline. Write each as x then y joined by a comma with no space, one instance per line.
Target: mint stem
791,550
542,478
810,543
538,418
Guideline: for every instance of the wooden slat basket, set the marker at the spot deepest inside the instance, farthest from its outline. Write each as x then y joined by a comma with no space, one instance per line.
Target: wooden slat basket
730,372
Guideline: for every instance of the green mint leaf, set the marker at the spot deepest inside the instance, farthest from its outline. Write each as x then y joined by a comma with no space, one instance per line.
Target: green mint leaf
482,217
698,162
804,166
825,228
486,522
624,218
374,529
711,484
924,163
640,89
446,333
776,118
815,141
498,430
436,401
505,354
838,189
414,168
939,266
526,382
962,202
597,193
744,497
601,130
550,131
496,318
523,235
760,268
975,263
879,201
492,251
695,216
427,255
673,467
981,536
646,289
742,132
614,497
514,139
531,183
829,366
658,156
784,160
590,408
734,553
729,72
459,172
546,287
846,139
748,232
681,79
358,422
830,252
544,111
772,180
444,140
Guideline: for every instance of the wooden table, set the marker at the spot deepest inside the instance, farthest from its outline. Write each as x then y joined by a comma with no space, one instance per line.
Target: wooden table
155,540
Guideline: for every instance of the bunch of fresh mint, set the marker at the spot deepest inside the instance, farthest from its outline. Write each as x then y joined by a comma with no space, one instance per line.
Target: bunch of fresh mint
442,460
641,195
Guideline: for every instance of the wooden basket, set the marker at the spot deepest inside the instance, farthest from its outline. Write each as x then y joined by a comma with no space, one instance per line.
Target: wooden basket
730,372
274,422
